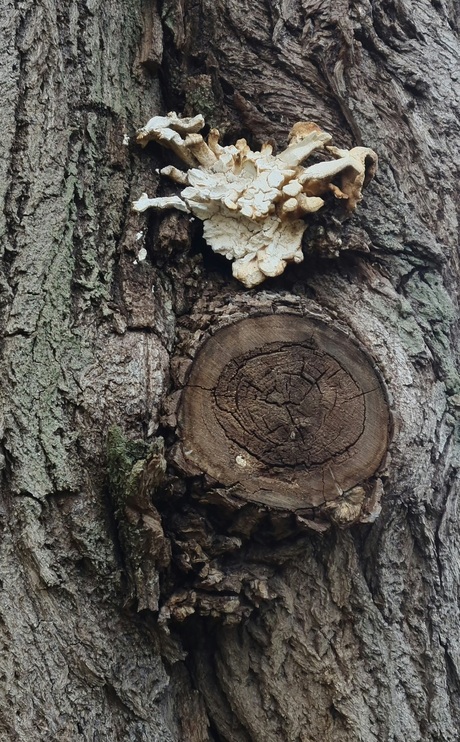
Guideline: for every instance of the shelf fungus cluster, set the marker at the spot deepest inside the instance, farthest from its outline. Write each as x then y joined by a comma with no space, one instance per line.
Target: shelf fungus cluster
253,204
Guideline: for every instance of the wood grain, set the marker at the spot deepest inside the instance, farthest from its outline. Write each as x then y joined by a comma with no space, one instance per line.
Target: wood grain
287,410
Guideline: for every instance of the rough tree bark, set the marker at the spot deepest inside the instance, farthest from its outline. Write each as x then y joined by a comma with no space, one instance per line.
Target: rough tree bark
355,636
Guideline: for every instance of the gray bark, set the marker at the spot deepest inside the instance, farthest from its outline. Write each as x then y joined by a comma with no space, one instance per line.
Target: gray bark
360,641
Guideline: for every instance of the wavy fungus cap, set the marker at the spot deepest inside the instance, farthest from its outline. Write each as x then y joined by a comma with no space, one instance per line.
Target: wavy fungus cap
253,204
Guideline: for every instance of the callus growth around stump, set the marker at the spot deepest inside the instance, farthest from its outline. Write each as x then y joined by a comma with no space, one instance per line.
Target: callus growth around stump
287,411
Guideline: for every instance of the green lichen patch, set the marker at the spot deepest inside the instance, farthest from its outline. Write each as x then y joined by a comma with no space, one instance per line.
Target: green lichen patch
125,459
135,470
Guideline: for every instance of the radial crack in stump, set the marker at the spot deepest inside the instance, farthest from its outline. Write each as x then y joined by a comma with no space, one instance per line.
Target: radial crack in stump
254,204
288,412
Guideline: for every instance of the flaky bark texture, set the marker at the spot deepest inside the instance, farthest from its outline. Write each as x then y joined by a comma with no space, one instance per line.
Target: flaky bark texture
356,634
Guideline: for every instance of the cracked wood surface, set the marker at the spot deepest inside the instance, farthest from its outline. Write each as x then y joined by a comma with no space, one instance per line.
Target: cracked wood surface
285,410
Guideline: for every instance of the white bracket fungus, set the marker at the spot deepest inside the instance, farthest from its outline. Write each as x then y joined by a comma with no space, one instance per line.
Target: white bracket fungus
253,204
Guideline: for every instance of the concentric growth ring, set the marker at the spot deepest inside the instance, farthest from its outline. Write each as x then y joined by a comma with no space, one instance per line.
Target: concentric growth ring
289,411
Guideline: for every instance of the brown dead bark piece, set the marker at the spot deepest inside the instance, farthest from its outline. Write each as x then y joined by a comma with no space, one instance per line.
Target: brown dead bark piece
286,410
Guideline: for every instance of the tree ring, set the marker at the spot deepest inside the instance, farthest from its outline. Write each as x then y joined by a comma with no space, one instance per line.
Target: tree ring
287,410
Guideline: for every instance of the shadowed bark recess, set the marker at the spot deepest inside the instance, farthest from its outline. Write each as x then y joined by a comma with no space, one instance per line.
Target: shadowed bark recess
343,634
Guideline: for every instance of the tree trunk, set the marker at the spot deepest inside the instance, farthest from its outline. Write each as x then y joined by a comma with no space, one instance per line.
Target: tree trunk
342,633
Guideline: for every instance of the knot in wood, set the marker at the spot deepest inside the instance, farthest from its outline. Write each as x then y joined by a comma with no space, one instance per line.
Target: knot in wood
286,410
